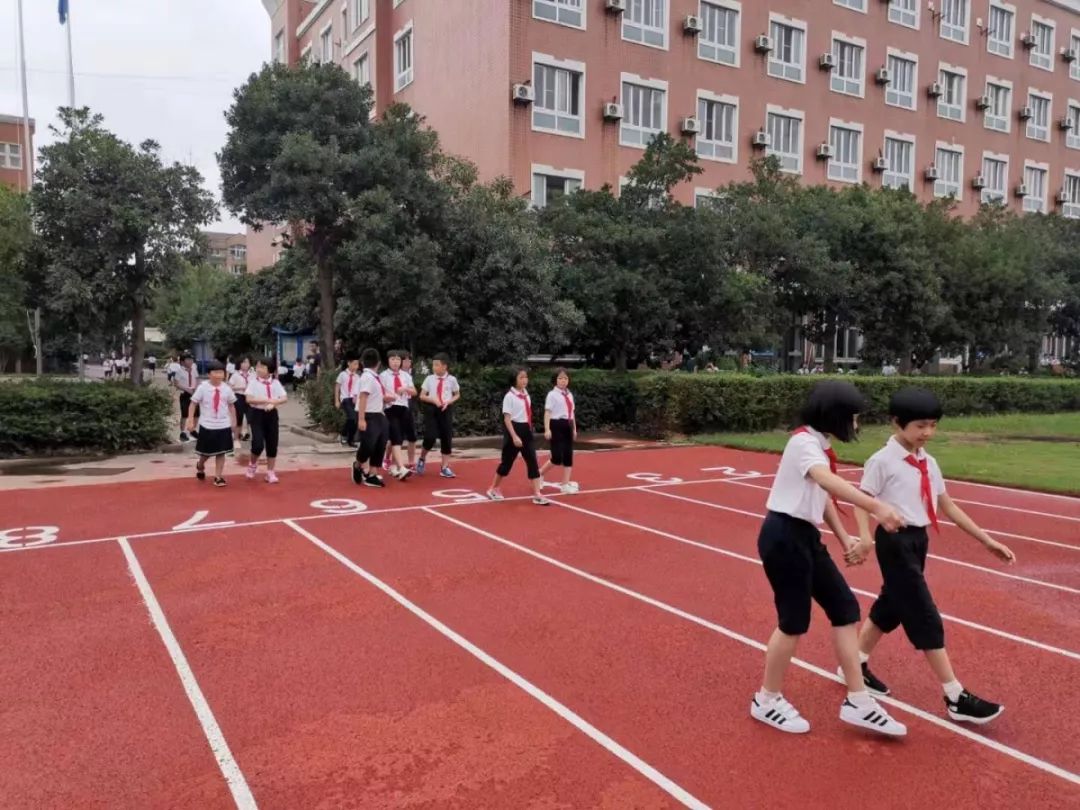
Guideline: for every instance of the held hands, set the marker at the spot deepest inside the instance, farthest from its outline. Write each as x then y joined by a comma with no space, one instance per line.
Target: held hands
888,517
857,553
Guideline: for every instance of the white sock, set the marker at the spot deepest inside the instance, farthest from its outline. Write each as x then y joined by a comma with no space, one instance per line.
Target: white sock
952,690
863,657
860,699
765,696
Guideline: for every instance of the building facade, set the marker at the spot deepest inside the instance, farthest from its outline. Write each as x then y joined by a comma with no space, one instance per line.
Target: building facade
15,152
227,251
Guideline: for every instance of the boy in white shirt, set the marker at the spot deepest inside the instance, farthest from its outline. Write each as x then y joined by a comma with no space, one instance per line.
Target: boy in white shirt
346,388
239,381
186,380
216,403
399,385
264,395
374,432
439,393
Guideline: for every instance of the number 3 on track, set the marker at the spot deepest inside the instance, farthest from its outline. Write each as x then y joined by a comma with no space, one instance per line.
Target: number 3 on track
654,478
28,536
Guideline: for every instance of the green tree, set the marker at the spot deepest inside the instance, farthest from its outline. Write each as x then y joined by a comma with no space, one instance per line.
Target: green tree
188,308
16,240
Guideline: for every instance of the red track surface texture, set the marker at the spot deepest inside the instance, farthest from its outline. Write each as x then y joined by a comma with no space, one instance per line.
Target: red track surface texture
317,644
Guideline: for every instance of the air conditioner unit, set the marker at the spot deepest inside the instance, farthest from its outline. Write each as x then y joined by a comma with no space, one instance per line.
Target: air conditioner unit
1061,198
612,111
824,151
984,102
693,24
615,6
826,61
761,139
1069,54
883,76
1022,190
880,164
978,181
1066,123
1027,39
934,90
690,125
1026,113
524,94
931,172
763,43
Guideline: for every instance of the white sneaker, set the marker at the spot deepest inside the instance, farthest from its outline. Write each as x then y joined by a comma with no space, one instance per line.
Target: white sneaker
779,714
567,489
494,495
574,486
872,716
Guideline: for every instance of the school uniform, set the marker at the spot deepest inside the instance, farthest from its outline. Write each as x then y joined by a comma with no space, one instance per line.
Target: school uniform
215,423
912,483
439,423
398,413
187,380
265,425
171,370
796,562
348,383
239,382
519,407
373,438
560,404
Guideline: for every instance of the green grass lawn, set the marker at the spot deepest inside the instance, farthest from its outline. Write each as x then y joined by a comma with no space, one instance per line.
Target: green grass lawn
989,449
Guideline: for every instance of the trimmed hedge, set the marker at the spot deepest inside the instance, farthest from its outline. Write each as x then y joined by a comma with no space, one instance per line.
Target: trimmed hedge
49,416
659,403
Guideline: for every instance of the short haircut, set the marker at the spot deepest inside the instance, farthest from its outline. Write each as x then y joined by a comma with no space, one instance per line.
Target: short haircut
214,365
557,374
443,358
369,358
912,404
515,372
398,353
831,408
265,361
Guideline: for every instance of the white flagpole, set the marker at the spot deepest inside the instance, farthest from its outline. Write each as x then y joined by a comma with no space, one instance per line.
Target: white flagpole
27,157
70,61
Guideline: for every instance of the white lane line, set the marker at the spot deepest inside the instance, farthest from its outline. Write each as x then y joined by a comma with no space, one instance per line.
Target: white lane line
1001,748
238,786
678,793
745,558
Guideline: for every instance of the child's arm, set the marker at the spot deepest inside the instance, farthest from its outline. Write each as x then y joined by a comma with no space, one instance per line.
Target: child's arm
866,538
838,487
949,509
547,424
361,409
337,395
232,419
832,518
510,429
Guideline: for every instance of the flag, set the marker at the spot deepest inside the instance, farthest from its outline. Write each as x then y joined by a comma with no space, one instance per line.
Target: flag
62,8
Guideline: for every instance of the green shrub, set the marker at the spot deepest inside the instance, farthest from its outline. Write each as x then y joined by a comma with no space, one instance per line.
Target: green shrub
55,416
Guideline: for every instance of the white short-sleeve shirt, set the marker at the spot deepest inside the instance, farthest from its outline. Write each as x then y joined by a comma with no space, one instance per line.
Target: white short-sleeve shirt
257,392
209,417
187,378
371,385
793,492
405,380
450,387
240,380
556,403
518,405
349,384
889,478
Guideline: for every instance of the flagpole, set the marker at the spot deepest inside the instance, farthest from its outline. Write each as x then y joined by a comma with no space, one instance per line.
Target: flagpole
27,156
70,60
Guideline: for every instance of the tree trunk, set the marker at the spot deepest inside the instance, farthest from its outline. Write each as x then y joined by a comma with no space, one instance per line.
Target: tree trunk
138,340
326,310
830,346
905,354
620,360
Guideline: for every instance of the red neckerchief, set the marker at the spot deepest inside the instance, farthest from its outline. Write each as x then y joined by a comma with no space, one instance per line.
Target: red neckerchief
925,489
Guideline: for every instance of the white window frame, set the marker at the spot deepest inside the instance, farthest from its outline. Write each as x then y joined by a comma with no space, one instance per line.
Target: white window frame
893,53
547,60
1071,209
305,52
365,60
966,24
835,169
890,172
985,193
11,156
1037,59
1031,123
1072,136
701,194
1074,42
559,8
664,30
939,190
853,5
542,170
359,13
403,79
1006,47
778,69
280,48
849,86
735,48
990,115
652,84
1031,165
900,16
775,109
961,106
705,95
326,36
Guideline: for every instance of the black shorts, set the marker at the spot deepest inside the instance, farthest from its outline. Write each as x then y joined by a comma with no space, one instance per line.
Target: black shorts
905,598
372,440
800,569
402,427
562,442
510,451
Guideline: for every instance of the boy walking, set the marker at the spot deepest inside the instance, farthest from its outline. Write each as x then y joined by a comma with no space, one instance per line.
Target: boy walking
346,389
439,393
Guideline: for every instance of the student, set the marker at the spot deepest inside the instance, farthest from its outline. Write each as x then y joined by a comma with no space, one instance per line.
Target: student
560,429
346,388
799,568
172,369
902,472
518,438
186,381
299,370
239,381
216,403
264,396
152,362
439,393
399,384
107,367
370,403
230,366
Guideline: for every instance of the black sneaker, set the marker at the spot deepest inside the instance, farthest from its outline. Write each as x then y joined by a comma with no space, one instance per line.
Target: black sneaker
970,708
871,681
373,481
357,475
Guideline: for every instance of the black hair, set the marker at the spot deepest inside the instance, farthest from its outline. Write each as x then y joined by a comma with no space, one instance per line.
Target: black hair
555,376
514,372
443,358
831,408
398,353
350,356
912,404
214,365
266,361
369,358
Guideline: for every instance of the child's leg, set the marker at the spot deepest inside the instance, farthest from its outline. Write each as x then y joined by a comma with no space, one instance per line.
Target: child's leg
273,433
219,465
778,656
446,436
528,453
506,462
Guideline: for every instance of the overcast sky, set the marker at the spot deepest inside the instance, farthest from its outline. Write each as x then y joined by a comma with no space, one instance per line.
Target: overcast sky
160,69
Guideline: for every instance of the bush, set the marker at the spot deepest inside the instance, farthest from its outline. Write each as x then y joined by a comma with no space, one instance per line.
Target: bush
55,416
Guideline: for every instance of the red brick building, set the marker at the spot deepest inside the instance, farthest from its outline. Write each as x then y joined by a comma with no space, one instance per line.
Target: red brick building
15,152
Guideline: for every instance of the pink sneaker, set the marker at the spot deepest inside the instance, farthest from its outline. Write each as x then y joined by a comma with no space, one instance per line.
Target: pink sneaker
250,474
271,478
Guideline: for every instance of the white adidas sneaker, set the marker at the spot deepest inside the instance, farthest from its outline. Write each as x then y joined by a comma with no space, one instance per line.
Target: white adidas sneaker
872,716
779,714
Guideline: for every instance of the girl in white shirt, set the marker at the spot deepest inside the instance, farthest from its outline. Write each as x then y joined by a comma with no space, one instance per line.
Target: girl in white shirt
239,381
799,567
518,438
560,429
264,395
217,422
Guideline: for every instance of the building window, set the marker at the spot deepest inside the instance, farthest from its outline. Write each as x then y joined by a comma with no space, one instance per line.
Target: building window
238,252
999,114
1035,180
716,141
904,12
950,167
279,47
785,140
1038,126
359,10
845,165
900,91
854,5
787,60
951,103
362,70
704,198
719,37
954,20
564,12
548,186
557,108
1042,53
1072,134
645,21
644,115
1000,36
847,75
403,60
11,156
326,45
995,173
900,164
1071,207
1074,66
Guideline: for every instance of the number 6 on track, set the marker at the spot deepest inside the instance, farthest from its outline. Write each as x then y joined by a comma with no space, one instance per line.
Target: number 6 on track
340,506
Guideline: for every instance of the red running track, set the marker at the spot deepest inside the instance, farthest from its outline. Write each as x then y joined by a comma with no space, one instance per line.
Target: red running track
429,650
